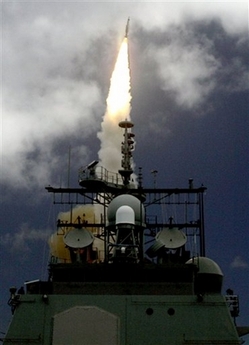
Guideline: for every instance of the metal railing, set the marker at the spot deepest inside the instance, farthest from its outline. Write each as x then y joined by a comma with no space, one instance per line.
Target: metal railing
99,173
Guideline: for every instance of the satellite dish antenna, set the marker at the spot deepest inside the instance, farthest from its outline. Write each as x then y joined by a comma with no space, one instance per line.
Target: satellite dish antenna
172,238
154,249
78,238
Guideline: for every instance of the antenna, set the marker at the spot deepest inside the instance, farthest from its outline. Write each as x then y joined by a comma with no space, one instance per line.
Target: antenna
154,173
172,238
69,166
154,249
78,238
92,164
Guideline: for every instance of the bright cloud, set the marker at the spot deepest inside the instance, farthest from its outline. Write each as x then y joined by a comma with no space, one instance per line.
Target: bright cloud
55,58
22,240
239,262
187,67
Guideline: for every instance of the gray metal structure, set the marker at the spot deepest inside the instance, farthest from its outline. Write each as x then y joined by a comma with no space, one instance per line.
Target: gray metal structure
154,285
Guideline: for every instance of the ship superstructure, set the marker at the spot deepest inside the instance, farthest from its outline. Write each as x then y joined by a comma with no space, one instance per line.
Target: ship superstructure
127,267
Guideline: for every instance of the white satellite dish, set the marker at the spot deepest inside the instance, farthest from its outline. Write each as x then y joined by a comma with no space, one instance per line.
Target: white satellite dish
78,238
172,238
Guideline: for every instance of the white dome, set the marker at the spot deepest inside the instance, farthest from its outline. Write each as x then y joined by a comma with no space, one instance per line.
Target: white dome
126,200
125,215
205,265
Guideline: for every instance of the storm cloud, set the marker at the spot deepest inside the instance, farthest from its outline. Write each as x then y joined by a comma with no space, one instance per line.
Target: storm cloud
55,61
189,88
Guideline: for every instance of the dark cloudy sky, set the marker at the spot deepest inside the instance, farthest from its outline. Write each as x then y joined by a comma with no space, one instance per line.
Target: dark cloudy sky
189,66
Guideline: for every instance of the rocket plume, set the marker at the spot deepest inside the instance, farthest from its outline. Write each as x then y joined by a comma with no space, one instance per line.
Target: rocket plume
118,109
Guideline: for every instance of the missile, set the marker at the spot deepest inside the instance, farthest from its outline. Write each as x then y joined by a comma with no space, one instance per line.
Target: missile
127,28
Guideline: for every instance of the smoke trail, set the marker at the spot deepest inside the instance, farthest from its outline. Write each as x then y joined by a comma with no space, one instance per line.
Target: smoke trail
89,213
118,109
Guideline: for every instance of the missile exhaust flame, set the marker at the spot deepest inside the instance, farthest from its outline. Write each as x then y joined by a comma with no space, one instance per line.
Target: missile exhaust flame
118,109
